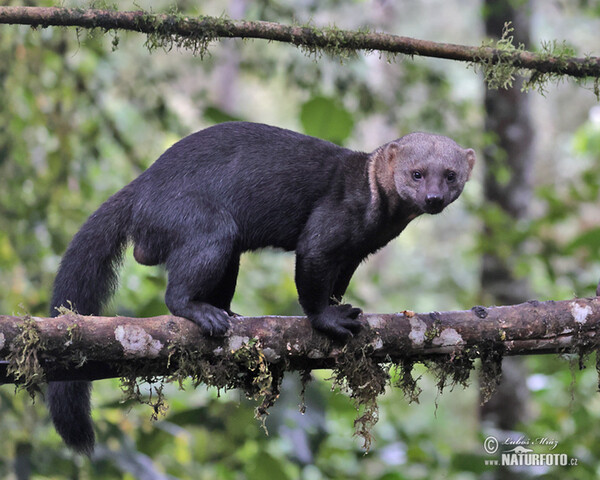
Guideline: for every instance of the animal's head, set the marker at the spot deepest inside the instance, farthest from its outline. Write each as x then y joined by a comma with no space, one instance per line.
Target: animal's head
427,171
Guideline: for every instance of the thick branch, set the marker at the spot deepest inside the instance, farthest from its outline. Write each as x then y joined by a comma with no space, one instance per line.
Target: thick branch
195,33
74,346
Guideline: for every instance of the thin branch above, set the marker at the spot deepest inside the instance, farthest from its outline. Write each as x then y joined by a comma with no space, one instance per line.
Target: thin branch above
196,33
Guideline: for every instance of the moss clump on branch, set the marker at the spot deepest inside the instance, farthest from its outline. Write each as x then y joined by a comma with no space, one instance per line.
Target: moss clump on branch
332,41
499,69
24,357
553,62
435,329
406,382
452,370
490,371
245,368
363,379
166,31
552,53
130,385
356,373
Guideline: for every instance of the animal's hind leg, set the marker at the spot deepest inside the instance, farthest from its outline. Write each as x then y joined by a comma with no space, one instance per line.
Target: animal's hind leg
223,293
196,269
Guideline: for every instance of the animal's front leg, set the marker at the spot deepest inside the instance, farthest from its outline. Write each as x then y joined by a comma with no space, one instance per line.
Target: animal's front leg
345,272
316,276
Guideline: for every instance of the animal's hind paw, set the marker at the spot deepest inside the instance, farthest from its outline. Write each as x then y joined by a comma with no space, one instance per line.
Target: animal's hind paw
212,320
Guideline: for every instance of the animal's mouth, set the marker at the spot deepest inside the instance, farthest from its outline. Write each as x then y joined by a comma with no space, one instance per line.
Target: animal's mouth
434,209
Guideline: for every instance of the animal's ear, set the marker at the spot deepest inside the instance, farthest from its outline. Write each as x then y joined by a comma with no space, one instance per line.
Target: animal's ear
470,154
390,152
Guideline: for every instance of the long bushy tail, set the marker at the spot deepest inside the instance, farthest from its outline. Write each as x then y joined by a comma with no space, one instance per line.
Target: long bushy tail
85,280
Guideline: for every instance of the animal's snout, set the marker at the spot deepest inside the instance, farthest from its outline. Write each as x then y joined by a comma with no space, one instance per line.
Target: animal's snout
434,203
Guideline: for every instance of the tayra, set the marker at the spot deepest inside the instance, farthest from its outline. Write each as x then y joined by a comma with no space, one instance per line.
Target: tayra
241,186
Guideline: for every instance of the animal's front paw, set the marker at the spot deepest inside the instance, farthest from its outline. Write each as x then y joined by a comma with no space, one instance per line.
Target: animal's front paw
337,321
212,320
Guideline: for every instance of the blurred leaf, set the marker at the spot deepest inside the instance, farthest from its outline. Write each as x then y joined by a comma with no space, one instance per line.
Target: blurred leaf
216,115
590,240
392,476
264,466
326,118
202,416
469,462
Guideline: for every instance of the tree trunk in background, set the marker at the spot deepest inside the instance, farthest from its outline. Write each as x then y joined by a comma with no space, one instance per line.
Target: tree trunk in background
508,162
226,71
508,157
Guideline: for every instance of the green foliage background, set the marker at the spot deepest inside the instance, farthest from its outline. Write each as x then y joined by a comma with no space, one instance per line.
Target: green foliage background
79,120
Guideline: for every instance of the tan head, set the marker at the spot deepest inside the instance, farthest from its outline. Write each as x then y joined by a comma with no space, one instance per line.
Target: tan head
423,171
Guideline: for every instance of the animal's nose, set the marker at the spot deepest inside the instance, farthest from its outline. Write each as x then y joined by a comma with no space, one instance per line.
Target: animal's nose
434,203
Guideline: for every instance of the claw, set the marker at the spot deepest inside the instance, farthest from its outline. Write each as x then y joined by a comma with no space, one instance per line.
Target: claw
213,321
337,321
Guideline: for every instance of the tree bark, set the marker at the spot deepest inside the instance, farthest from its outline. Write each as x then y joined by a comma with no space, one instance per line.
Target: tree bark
79,347
195,33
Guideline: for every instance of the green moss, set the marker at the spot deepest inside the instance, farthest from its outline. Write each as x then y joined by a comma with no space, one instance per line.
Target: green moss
406,382
24,357
115,41
260,380
583,346
363,379
330,40
452,369
245,368
552,52
130,385
166,32
502,335
491,370
62,310
433,331
77,356
499,71
305,379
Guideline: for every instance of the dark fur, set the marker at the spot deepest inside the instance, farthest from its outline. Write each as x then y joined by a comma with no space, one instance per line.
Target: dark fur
242,186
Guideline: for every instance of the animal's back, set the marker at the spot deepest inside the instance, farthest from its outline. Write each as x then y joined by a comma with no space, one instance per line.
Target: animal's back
267,178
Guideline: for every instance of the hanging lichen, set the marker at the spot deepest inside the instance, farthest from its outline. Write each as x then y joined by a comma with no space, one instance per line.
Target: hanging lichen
245,368
406,382
363,379
499,70
131,387
491,370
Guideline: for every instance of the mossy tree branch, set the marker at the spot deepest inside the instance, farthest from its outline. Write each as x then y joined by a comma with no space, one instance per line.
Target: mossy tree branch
78,347
196,33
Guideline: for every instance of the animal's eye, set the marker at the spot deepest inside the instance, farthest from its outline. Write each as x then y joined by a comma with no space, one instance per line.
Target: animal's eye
451,176
416,175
